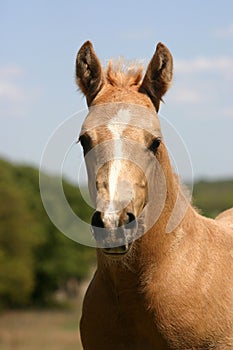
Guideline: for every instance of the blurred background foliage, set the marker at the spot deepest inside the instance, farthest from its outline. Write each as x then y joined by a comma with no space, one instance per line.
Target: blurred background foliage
36,260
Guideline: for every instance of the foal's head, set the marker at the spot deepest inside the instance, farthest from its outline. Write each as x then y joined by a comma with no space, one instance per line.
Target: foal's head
121,138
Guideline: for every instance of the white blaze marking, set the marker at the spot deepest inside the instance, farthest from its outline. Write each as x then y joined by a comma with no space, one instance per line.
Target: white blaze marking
116,126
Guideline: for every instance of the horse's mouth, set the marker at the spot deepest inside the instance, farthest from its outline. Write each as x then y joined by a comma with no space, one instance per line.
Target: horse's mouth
116,251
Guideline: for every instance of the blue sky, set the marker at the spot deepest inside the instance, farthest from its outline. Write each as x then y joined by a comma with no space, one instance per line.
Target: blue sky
39,42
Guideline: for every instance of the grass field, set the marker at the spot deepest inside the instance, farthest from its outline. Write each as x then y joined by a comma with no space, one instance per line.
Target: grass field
36,330
42,329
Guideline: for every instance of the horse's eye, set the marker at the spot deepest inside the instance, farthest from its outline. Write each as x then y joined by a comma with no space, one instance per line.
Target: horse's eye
85,141
155,145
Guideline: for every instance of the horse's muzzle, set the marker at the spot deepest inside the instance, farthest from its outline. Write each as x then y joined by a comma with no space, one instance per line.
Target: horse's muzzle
114,232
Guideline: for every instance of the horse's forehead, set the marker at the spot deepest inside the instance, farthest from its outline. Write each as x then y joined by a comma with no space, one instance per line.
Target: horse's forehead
124,114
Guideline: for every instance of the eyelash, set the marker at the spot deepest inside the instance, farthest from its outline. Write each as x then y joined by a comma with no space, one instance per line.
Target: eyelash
155,145
85,142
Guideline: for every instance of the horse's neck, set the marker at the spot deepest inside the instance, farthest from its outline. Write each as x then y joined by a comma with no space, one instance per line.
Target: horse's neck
177,213
120,275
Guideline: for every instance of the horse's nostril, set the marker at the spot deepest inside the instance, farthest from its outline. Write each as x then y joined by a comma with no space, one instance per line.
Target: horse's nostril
131,217
96,220
132,222
97,227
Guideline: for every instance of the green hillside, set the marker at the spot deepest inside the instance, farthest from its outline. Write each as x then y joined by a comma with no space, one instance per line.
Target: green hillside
35,258
212,197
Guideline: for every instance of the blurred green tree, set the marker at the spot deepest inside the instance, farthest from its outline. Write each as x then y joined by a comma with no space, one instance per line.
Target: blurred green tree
35,258
18,237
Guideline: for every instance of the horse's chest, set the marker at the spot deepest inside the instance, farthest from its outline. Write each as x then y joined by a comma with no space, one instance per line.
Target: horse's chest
135,325
118,321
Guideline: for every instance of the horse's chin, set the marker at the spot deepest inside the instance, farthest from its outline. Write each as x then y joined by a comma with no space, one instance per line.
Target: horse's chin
117,251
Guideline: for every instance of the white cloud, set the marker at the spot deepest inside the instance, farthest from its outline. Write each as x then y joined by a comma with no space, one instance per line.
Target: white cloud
13,95
204,84
222,65
227,112
225,33
184,95
11,92
10,71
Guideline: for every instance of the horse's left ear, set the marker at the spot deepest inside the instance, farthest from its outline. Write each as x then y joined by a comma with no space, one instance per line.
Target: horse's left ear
89,75
158,76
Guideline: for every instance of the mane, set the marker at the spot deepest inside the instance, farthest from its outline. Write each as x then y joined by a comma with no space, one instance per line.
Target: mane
121,74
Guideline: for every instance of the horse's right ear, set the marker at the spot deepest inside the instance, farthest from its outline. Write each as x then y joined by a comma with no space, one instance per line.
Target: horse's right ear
89,74
158,76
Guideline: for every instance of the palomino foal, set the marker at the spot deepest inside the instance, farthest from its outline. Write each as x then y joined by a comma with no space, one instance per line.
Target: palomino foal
152,289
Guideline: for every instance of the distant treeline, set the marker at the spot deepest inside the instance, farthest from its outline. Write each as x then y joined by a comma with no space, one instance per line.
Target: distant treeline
35,258
213,197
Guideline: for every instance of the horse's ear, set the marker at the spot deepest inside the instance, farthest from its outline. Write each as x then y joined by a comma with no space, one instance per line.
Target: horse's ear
158,76
89,75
